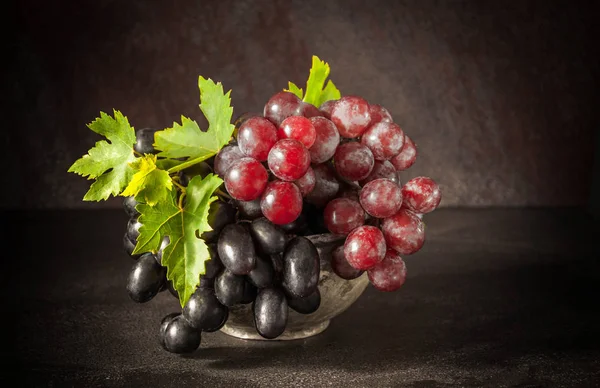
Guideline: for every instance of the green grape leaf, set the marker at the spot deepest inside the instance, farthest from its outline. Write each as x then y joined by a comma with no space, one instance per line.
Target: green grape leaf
186,253
293,88
315,94
149,183
108,162
187,140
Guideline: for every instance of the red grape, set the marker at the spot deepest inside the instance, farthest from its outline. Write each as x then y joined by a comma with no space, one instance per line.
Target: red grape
288,159
390,274
326,185
404,232
281,106
343,215
382,169
246,179
309,110
256,136
385,140
351,116
353,161
379,114
298,128
225,158
421,195
281,202
381,198
407,156
326,108
326,141
241,119
341,267
364,247
307,182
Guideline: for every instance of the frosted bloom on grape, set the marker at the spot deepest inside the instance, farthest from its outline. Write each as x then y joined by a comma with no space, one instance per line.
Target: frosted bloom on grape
421,195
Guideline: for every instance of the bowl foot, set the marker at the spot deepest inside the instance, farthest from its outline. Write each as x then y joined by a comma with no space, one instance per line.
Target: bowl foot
249,333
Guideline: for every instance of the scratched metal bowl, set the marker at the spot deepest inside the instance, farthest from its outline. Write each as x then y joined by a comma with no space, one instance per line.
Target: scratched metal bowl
337,295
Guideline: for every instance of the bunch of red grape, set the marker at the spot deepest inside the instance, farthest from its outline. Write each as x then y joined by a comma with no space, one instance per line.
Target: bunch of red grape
343,158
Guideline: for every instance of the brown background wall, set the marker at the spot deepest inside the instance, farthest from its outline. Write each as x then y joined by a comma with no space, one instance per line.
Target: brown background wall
498,95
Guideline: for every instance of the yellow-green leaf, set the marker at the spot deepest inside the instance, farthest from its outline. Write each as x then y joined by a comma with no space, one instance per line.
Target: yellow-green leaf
108,161
149,182
315,93
293,88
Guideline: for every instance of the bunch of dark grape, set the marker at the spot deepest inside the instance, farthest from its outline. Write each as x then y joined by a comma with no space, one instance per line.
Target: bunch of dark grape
294,171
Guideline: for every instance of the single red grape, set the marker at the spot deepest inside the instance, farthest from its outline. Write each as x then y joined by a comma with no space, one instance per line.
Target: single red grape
364,247
381,198
326,108
382,169
288,160
404,232
379,114
281,202
351,116
326,185
353,161
390,274
226,157
343,215
241,119
421,195
281,106
385,140
246,179
407,156
298,128
327,139
341,267
307,182
256,136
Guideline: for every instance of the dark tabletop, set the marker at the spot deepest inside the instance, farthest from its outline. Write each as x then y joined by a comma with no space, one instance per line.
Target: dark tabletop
496,298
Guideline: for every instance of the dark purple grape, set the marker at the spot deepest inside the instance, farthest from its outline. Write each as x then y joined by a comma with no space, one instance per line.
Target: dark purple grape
263,274
236,249
145,279
144,140
270,312
203,311
268,237
180,337
128,246
307,305
300,267
201,169
249,210
129,204
163,327
341,267
229,288
133,229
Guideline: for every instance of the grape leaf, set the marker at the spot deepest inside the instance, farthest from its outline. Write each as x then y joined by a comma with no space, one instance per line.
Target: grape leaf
293,88
315,94
187,140
106,162
186,253
149,182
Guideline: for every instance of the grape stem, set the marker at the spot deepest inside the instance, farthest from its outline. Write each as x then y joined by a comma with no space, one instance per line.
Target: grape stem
180,204
180,187
186,164
222,193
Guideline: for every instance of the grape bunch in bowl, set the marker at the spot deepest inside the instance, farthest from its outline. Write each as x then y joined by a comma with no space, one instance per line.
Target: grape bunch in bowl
269,226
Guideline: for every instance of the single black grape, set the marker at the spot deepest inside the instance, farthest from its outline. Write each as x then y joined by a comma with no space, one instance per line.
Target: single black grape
180,337
203,311
220,214
249,210
307,305
201,169
250,292
129,204
144,138
268,237
128,246
229,288
300,267
163,328
236,249
133,229
270,312
263,274
145,279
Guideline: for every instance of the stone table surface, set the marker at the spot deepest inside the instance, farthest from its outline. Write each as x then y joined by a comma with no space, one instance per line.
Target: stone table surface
496,298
